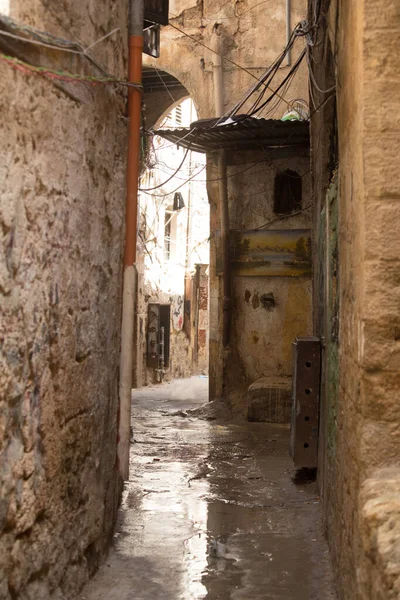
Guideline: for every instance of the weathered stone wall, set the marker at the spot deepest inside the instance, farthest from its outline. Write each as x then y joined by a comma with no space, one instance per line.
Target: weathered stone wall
261,334
202,319
62,172
361,438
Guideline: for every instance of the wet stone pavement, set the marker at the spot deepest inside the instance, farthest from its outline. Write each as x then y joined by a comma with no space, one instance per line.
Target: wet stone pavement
212,510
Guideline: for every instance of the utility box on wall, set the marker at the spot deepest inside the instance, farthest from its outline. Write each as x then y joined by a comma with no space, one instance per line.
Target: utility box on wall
305,401
158,336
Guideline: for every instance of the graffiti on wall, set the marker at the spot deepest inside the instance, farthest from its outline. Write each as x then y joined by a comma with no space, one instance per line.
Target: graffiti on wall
177,309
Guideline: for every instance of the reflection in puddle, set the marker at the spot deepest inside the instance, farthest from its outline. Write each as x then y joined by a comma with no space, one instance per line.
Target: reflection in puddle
213,512
196,552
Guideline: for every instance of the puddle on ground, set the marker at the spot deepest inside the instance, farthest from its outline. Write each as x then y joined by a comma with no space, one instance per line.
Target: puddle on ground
213,511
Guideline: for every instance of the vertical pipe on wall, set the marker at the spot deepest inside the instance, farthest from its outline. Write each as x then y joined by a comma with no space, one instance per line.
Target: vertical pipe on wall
189,207
130,273
226,275
217,75
223,192
288,31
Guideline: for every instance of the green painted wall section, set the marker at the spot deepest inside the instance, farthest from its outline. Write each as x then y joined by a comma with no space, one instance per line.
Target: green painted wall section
332,308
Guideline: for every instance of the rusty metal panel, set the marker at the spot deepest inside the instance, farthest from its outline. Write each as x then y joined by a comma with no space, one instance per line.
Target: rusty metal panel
165,334
153,336
305,401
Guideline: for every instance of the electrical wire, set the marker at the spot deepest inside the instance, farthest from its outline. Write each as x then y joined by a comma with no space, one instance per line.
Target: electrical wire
62,48
263,159
280,217
312,77
175,190
289,75
165,85
169,178
297,32
101,39
253,7
219,53
300,30
25,67
220,178
287,79
271,70
45,39
157,168
270,109
40,43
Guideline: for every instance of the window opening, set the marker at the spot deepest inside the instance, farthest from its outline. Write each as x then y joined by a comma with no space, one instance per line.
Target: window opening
288,192
178,201
167,234
178,115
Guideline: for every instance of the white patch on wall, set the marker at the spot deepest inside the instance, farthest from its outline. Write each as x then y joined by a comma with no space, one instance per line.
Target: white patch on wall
5,7
176,7
177,303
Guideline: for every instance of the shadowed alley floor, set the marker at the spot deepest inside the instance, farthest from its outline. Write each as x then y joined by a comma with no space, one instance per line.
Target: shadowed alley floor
212,510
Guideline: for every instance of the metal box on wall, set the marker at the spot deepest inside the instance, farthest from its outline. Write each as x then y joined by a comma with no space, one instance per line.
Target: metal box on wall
156,11
305,401
158,335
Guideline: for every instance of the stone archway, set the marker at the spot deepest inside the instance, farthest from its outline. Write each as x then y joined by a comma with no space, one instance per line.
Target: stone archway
183,68
162,92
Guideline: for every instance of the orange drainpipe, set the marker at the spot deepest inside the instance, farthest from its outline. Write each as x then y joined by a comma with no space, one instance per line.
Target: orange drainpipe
130,272
134,115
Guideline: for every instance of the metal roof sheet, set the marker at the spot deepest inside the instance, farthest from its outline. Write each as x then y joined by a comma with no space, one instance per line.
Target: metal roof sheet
241,134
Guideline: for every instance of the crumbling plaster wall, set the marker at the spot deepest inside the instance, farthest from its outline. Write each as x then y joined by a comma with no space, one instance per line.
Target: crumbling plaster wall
261,335
62,179
362,468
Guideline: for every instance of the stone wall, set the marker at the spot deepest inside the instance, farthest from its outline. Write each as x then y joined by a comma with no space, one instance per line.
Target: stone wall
360,440
261,332
202,318
62,178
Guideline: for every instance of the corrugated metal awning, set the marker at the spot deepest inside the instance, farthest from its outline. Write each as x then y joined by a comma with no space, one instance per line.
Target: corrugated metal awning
241,134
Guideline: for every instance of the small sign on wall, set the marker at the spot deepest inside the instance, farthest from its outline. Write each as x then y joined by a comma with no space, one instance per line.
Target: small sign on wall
177,307
269,253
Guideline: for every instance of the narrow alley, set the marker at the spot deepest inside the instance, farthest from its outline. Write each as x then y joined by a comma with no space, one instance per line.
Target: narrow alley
213,509
199,300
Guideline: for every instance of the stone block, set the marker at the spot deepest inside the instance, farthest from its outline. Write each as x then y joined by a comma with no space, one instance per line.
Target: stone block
380,529
270,400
